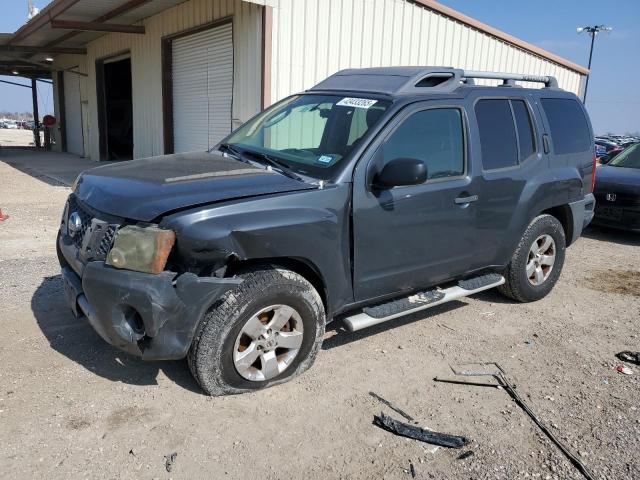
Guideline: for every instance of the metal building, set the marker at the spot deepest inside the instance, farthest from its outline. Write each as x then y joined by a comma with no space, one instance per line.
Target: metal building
137,78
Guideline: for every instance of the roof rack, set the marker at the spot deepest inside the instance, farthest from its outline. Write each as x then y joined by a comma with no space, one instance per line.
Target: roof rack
406,80
509,78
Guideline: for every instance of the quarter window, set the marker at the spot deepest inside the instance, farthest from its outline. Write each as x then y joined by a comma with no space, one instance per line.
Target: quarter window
497,134
526,142
433,136
569,129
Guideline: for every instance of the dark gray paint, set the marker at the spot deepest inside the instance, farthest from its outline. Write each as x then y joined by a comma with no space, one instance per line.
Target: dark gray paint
362,246
147,188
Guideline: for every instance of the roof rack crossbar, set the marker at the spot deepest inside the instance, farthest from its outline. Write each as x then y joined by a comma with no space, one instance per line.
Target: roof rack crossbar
549,81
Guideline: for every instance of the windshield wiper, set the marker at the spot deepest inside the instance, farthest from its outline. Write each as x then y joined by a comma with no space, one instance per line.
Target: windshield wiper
278,164
235,153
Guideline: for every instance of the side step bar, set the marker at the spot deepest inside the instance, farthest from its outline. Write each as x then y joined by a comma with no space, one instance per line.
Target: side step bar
420,301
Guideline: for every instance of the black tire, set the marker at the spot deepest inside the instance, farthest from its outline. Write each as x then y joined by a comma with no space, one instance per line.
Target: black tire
517,285
211,354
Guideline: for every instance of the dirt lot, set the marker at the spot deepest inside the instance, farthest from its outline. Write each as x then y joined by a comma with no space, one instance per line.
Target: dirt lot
16,138
73,407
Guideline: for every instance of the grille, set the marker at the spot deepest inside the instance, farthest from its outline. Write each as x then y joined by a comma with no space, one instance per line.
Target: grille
106,241
622,199
86,218
102,234
631,219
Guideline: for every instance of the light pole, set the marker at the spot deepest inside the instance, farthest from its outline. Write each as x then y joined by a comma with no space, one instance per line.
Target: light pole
593,31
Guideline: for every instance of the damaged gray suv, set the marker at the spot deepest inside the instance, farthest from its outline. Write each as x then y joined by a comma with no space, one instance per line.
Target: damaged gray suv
375,194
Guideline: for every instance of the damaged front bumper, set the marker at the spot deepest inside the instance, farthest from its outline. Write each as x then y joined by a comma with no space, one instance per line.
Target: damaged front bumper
151,316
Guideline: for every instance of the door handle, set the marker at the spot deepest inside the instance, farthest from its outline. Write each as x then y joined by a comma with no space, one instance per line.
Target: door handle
463,200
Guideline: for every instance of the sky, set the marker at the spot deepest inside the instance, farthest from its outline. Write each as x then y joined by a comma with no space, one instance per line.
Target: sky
613,98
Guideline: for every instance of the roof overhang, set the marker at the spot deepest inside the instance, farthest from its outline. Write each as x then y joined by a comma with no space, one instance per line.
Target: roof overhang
67,26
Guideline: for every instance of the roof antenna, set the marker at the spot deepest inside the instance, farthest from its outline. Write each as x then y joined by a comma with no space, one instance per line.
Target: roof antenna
33,10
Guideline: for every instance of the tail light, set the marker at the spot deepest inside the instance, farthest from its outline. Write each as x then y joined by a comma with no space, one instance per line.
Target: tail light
593,173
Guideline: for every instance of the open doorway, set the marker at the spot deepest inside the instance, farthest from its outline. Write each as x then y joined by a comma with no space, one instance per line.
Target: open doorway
116,108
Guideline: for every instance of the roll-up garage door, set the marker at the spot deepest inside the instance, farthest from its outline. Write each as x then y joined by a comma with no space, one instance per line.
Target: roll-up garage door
202,67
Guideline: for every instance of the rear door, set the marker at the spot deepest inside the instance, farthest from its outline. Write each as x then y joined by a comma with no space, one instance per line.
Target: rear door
506,146
415,236
572,143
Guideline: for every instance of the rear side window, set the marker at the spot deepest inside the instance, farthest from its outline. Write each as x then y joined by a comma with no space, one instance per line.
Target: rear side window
497,134
569,127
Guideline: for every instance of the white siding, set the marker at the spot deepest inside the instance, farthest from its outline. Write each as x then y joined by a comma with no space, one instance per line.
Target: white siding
73,113
313,39
146,63
78,62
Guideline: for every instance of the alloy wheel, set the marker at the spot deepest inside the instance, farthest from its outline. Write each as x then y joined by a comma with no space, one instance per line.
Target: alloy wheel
268,343
542,256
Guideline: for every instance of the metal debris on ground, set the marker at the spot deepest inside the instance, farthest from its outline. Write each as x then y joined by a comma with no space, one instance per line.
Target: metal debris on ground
169,460
392,406
492,369
624,369
466,382
418,433
629,357
465,455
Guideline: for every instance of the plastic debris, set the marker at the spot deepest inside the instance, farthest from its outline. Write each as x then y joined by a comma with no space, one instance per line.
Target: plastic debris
624,369
465,455
169,461
2,216
629,357
412,469
418,433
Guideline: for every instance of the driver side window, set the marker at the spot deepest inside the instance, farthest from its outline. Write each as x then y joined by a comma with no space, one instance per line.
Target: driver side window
434,136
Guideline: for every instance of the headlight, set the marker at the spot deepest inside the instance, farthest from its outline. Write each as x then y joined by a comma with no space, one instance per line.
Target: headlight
142,249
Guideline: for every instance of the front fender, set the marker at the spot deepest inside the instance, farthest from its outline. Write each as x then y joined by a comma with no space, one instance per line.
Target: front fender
312,226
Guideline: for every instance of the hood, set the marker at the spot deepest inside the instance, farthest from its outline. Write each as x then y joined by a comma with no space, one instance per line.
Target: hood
618,179
147,188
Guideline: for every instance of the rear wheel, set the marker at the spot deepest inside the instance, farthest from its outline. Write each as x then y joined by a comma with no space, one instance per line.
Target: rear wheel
266,331
537,262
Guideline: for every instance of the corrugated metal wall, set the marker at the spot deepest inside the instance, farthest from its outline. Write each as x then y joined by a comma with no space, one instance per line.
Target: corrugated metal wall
313,39
78,64
146,64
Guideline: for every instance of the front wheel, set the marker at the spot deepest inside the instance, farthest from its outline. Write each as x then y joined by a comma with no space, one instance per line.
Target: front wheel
266,331
537,262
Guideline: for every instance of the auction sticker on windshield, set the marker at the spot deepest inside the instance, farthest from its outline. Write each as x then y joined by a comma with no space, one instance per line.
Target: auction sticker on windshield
357,102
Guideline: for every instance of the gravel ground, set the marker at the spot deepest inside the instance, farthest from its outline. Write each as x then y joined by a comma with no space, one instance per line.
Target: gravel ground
17,138
73,407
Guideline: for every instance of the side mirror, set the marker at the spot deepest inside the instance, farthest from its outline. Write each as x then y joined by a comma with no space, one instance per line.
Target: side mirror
400,172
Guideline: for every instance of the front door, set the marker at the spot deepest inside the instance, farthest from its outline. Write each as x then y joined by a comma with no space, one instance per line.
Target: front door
415,236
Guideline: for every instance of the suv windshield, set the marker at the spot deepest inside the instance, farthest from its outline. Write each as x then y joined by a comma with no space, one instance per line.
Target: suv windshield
630,158
310,134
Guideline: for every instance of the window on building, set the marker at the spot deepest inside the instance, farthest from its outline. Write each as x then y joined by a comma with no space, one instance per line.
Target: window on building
526,141
497,134
569,127
434,136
